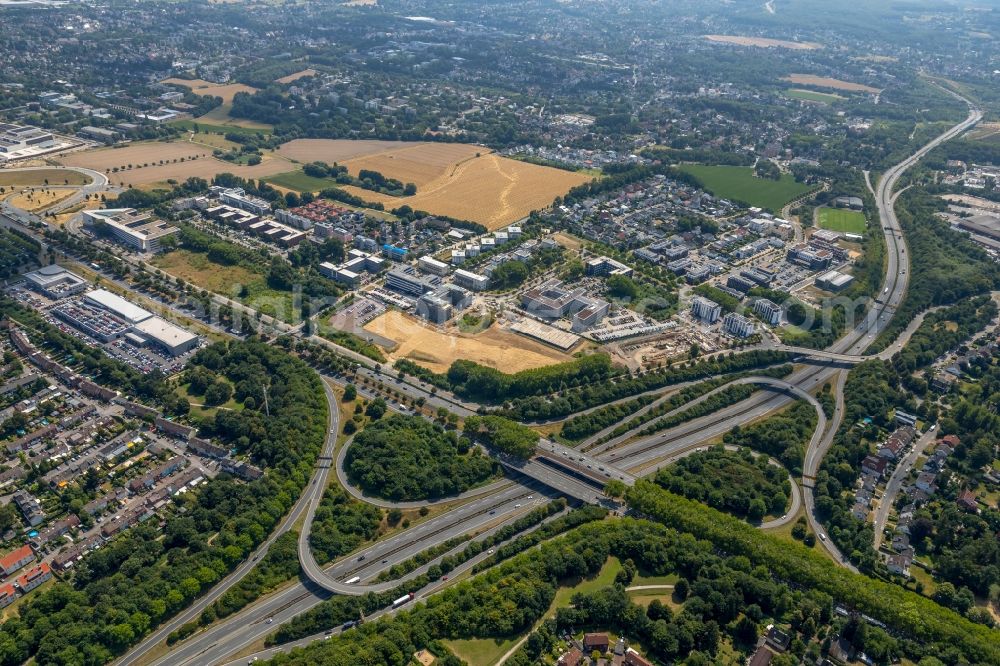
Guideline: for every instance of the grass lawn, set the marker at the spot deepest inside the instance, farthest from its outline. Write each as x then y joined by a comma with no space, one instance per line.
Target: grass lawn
604,578
198,408
208,127
740,184
201,271
669,579
839,219
812,96
480,651
42,177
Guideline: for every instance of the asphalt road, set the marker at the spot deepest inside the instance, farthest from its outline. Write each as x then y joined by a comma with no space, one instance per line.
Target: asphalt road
896,482
248,626
257,620
303,503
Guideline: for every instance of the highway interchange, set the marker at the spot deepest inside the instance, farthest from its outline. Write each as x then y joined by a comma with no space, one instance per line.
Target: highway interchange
534,481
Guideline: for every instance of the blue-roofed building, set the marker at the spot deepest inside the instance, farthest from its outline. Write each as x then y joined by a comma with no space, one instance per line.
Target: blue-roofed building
394,253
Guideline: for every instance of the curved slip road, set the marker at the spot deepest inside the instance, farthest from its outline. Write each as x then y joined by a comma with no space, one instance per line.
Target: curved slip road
203,602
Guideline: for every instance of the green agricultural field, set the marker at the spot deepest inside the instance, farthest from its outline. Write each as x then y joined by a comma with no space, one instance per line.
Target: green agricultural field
844,221
740,184
300,182
813,96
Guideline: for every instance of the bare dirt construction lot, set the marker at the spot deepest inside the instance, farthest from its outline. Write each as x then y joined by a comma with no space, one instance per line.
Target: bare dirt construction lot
335,150
153,163
430,347
826,82
296,76
763,42
30,177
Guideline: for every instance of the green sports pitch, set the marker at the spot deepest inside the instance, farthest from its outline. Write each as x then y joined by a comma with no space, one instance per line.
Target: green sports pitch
844,221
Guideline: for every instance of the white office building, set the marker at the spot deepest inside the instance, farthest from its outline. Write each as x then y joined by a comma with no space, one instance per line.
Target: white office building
767,310
138,231
429,264
707,310
737,325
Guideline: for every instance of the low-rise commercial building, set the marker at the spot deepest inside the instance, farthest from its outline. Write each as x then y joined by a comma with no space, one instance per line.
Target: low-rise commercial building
470,280
834,281
170,338
138,231
429,264
56,282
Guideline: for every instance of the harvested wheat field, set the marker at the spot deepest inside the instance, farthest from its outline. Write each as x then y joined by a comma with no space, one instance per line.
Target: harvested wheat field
418,163
146,168
763,42
451,180
336,150
296,76
491,190
427,345
826,82
226,91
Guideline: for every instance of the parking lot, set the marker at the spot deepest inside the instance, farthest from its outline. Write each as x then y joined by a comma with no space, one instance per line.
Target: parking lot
144,359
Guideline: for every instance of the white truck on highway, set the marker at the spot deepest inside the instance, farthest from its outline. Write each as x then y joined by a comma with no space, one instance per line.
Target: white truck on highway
402,600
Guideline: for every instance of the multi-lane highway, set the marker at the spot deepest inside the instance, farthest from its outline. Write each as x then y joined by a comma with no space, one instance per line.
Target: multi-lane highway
304,502
505,501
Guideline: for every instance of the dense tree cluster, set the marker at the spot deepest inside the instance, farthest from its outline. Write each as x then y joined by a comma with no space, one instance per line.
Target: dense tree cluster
481,382
410,458
945,265
736,482
594,421
16,251
784,436
506,436
341,524
594,393
922,626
